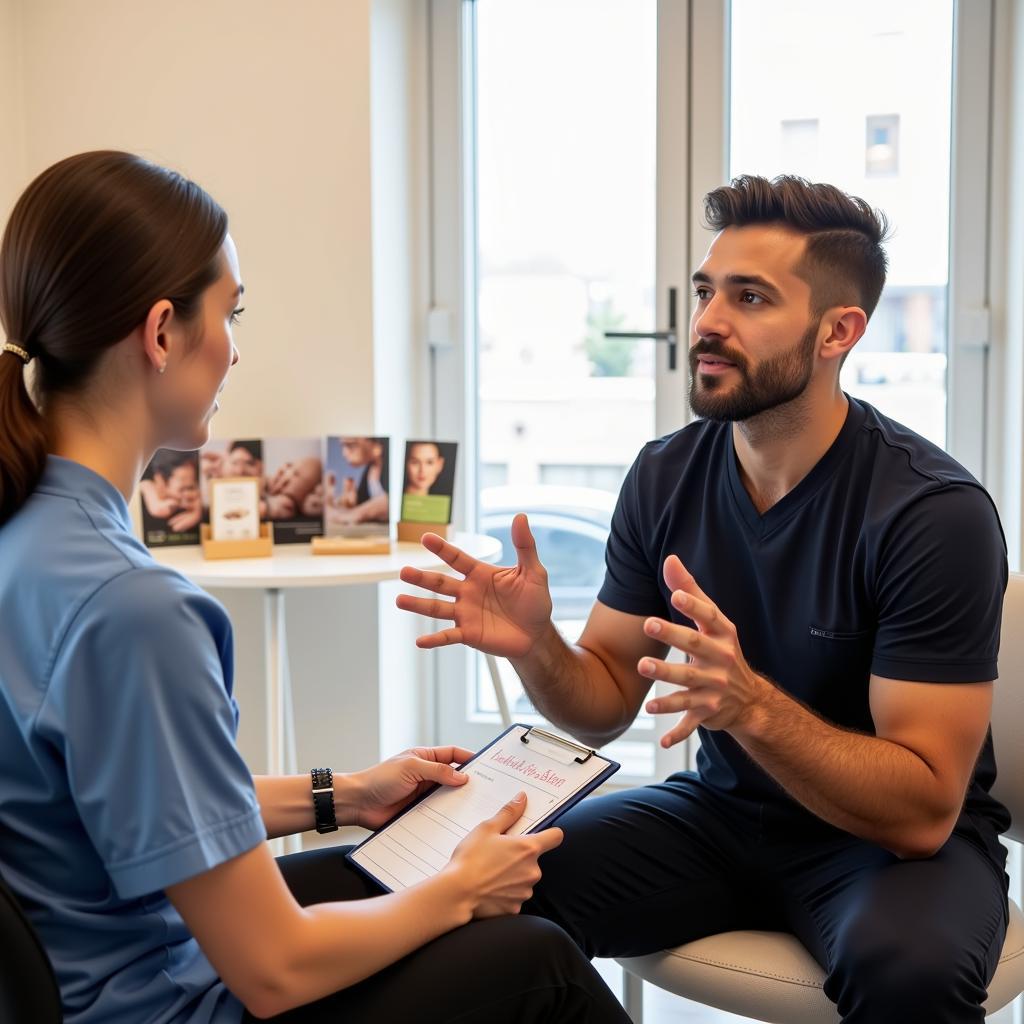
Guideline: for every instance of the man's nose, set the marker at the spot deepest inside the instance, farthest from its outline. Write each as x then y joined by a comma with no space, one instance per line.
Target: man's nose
712,319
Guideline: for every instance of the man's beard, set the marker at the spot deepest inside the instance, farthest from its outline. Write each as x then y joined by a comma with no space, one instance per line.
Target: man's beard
775,382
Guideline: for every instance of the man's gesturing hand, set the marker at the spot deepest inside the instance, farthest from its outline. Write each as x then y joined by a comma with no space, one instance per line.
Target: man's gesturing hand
718,689
497,610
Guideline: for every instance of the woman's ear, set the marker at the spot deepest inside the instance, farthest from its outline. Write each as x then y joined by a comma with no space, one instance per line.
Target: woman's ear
156,334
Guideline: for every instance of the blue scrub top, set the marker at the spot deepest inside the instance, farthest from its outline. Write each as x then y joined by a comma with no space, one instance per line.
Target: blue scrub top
117,753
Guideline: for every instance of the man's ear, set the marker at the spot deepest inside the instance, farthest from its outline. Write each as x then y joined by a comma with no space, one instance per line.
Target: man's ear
156,330
843,327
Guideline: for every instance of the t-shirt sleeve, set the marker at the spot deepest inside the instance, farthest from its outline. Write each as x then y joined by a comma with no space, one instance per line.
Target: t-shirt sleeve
139,707
630,579
941,576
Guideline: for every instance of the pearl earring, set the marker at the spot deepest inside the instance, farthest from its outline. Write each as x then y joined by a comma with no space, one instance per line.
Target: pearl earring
162,368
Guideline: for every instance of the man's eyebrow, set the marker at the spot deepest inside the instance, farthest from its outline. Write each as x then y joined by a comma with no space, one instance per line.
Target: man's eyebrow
756,280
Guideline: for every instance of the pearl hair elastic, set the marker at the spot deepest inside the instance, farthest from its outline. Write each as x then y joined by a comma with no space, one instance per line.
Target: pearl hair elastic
17,350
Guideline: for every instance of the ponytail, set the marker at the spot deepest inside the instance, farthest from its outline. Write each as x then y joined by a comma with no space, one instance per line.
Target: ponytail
22,439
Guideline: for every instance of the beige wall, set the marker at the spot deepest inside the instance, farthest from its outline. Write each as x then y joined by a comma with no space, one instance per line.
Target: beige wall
11,121
270,112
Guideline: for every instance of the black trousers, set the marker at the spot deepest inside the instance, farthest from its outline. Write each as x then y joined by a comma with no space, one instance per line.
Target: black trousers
901,941
517,970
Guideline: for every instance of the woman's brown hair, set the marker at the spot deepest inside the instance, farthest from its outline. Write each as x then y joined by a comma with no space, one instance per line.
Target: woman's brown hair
92,244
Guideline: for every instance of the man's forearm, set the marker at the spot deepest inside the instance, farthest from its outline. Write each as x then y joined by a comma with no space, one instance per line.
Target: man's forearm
572,688
870,787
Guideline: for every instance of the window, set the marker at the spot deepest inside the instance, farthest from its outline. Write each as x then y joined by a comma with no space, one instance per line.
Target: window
799,146
605,478
882,148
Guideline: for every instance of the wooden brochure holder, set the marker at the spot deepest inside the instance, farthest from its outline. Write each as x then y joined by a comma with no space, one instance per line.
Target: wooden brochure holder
413,532
262,547
351,545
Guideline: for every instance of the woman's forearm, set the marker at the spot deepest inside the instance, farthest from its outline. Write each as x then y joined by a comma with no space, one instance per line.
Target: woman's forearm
286,802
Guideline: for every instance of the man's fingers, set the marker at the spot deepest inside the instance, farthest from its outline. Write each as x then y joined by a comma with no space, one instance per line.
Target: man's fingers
525,545
702,702
449,553
680,674
438,582
707,616
429,606
682,638
678,577
509,814
446,638
682,729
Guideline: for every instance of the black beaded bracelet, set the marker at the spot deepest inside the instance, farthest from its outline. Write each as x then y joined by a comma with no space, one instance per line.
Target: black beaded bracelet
323,799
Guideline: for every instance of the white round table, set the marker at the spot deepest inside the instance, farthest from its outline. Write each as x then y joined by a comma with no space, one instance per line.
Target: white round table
294,565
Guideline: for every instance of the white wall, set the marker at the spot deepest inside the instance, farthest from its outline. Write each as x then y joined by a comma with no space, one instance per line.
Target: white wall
306,122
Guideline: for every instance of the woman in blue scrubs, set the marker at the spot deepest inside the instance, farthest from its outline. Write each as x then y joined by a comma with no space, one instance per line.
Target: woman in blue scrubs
130,828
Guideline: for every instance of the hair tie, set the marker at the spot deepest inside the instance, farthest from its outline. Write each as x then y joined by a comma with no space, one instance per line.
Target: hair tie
17,350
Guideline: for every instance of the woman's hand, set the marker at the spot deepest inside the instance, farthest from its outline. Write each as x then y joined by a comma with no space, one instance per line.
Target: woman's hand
379,793
498,871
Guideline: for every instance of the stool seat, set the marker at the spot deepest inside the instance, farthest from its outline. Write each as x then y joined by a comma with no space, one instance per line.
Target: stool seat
770,976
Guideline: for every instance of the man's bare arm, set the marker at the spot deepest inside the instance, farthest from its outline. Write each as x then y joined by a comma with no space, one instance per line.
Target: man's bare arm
591,688
902,788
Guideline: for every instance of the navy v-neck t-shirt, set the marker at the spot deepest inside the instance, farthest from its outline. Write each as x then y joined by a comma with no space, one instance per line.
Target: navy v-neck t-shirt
887,558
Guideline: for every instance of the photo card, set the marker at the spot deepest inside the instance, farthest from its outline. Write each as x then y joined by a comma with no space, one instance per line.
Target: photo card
171,501
429,482
220,459
293,488
355,487
235,508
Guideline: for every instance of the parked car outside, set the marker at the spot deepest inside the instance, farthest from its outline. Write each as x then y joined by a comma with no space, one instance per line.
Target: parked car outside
570,525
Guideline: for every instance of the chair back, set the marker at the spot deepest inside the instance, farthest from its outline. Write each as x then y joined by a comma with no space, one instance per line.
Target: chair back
28,989
1008,708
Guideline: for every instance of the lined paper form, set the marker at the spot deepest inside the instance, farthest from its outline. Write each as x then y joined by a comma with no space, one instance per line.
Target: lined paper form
421,842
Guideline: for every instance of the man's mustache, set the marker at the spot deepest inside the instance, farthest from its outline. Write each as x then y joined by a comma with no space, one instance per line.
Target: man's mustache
713,347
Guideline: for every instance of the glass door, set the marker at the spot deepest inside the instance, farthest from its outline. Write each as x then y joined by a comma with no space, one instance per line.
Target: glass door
564,159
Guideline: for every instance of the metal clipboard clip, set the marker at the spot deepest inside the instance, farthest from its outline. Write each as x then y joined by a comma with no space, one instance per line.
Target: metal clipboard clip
576,751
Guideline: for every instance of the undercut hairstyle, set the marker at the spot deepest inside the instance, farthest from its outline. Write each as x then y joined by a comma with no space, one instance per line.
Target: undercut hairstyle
844,262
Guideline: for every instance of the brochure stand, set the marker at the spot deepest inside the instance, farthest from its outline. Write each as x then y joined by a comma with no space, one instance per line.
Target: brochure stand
351,545
413,532
261,547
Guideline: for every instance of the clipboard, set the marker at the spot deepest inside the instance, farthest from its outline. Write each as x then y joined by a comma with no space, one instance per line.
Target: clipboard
555,772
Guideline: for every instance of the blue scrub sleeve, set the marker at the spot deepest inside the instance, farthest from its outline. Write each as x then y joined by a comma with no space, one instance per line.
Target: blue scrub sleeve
139,706
942,572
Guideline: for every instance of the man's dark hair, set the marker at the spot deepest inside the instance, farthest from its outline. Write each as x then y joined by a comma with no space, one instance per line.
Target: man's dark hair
844,262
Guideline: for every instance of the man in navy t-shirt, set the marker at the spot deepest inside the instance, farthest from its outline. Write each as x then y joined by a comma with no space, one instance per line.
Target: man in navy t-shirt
836,584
